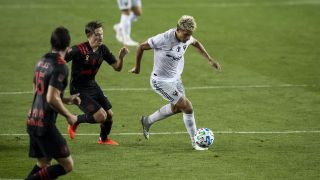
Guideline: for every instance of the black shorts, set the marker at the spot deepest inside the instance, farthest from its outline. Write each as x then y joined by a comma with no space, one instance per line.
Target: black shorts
92,101
50,145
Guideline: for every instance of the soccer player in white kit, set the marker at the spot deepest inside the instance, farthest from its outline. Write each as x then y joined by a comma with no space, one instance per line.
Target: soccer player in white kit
169,48
130,11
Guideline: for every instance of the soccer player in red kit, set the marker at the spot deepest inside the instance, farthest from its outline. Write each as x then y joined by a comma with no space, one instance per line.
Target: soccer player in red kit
49,82
87,58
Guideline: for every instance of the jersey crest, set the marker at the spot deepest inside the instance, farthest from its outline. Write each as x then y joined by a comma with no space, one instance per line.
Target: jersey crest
84,51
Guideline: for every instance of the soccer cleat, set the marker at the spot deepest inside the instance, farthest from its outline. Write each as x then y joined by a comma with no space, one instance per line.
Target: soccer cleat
108,141
198,148
130,42
145,126
72,130
117,29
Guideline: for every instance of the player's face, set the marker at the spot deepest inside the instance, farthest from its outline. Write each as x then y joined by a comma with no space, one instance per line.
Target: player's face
96,38
183,36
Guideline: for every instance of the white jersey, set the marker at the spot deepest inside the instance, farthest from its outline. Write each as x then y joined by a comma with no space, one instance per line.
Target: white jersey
168,55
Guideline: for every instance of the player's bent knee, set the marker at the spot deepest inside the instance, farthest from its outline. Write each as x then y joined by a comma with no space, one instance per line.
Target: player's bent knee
68,167
66,163
43,165
126,12
43,162
188,111
109,115
137,11
175,109
187,108
100,116
184,105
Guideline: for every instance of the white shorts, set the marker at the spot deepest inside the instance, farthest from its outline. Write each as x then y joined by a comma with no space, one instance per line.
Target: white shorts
128,4
170,91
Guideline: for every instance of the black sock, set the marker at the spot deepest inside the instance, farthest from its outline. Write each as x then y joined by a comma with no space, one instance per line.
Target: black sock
35,169
56,171
105,129
51,172
85,118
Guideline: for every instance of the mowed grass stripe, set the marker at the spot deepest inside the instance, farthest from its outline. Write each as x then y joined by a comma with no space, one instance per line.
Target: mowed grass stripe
190,88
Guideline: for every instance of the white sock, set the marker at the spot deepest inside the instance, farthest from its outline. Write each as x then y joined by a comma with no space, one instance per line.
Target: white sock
125,25
164,112
190,124
133,17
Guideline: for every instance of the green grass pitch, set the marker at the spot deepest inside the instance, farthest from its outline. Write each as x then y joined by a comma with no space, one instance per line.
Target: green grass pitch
264,106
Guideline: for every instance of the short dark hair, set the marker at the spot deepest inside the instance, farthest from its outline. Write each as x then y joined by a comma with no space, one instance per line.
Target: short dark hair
91,26
60,39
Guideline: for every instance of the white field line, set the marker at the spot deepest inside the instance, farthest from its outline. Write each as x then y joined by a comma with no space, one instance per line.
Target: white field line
189,88
164,5
237,4
173,133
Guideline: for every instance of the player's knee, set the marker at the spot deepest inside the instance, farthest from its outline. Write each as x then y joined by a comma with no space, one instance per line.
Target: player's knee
109,115
125,12
188,110
137,12
175,109
100,116
43,165
68,166
186,107
43,162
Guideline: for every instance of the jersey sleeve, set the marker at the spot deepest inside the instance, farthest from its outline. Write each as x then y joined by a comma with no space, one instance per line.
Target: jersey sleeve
59,78
157,41
71,53
107,55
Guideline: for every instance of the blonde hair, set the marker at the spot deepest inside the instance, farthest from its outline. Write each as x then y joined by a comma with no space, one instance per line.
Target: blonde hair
187,23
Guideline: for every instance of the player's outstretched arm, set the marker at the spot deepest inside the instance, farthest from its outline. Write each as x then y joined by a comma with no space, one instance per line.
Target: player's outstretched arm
204,53
117,66
143,46
55,101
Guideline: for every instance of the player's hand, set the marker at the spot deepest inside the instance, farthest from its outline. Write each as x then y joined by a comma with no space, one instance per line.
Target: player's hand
123,52
72,119
215,64
75,99
135,70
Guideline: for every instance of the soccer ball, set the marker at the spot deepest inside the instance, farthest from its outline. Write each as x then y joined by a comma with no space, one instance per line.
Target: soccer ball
204,137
